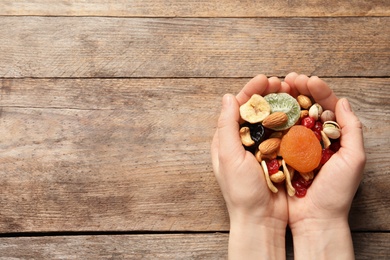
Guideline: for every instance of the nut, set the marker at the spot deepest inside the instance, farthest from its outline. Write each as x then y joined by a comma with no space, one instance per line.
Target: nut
304,101
276,135
267,178
245,135
278,177
269,146
290,188
325,139
331,129
307,176
315,111
259,156
275,120
328,115
255,109
304,113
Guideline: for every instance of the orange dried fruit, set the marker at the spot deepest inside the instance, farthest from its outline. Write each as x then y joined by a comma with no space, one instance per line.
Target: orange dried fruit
301,149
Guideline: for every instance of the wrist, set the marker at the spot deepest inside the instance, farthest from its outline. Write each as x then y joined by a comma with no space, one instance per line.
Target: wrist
263,239
322,239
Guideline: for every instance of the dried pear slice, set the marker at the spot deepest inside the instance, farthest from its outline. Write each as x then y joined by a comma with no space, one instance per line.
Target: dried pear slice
283,102
255,109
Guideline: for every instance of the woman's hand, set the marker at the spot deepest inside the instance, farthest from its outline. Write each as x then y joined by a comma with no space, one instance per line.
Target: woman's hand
258,217
319,221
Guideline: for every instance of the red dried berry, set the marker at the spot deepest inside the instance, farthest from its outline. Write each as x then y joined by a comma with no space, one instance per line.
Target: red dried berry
308,122
273,166
335,146
317,126
326,154
318,135
300,185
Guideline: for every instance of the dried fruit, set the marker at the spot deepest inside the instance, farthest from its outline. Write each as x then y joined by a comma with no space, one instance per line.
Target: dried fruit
255,109
283,102
308,122
300,149
325,156
273,166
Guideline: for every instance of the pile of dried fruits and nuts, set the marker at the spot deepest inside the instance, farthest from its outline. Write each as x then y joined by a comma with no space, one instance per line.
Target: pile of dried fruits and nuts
291,138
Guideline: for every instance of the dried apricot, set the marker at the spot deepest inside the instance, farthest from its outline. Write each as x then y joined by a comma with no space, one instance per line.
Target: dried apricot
301,149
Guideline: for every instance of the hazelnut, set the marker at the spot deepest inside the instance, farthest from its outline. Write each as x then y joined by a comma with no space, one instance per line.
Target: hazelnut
327,115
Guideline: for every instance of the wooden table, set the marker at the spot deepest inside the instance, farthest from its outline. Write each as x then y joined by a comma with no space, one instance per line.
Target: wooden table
107,110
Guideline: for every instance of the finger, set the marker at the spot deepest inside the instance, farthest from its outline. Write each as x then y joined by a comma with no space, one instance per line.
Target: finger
284,88
274,85
301,84
256,85
321,93
228,130
290,80
352,144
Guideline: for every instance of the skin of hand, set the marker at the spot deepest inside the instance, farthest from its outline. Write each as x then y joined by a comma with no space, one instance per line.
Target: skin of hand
319,221
258,217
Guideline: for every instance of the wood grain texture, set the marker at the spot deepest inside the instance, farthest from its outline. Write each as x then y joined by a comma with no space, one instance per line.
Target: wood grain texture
54,47
164,246
193,8
133,154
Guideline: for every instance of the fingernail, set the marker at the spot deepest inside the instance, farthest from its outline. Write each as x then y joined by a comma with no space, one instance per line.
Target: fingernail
346,105
227,100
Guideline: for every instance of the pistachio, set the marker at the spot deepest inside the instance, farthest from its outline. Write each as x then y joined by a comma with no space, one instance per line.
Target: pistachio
331,129
315,111
245,136
328,115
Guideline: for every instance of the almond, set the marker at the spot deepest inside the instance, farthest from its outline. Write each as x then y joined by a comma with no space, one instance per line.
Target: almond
275,120
269,146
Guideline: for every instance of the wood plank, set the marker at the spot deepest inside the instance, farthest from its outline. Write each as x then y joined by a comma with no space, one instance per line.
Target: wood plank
133,154
164,246
202,8
159,47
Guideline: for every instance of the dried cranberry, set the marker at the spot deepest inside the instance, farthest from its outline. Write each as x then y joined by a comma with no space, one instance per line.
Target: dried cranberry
300,193
335,146
318,135
308,121
273,166
317,126
300,185
326,154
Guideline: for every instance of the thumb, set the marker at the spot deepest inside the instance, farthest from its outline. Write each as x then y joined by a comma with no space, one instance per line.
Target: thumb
352,144
228,128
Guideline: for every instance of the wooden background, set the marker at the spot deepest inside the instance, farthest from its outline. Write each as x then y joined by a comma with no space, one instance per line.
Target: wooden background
107,110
